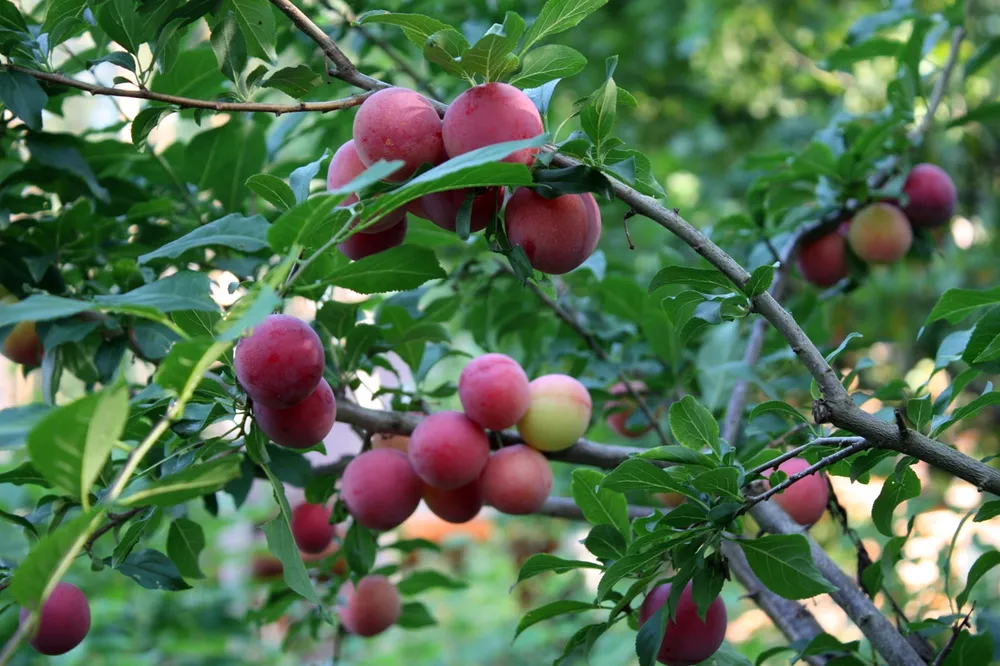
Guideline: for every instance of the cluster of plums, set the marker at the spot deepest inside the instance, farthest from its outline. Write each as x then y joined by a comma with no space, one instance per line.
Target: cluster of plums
557,235
881,233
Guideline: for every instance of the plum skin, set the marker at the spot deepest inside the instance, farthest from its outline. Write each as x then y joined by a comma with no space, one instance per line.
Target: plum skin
448,450
345,166
398,124
457,505
823,261
931,196
489,114
22,345
281,362
517,480
557,235
311,527
360,245
688,639
302,425
618,421
880,234
494,391
805,500
371,608
442,208
559,413
63,622
380,488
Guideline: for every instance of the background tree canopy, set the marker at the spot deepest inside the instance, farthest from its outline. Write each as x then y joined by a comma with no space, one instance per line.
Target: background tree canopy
768,282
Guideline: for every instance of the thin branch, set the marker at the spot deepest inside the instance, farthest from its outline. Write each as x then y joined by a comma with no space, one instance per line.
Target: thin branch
189,103
114,520
956,631
565,507
940,87
788,455
314,32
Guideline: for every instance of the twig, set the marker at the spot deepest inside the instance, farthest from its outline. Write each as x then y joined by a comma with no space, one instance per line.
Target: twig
822,441
570,319
189,103
780,441
916,135
956,631
565,507
114,520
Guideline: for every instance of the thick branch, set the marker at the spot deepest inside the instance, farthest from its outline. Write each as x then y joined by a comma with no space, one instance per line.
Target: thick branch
189,103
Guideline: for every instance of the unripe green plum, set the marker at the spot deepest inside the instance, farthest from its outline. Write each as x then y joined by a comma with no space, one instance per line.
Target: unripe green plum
559,413
442,208
880,234
22,345
489,114
931,194
311,527
345,166
688,639
281,362
380,488
823,261
557,235
302,425
398,124
361,245
371,608
494,391
63,622
517,480
805,500
458,505
448,450
618,421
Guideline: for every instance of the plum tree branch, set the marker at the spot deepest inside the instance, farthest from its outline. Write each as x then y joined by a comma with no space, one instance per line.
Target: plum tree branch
565,507
788,455
189,103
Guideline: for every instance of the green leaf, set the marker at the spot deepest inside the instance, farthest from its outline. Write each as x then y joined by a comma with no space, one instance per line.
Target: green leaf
920,410
257,23
249,311
544,563
194,74
309,224
548,63
295,82
10,18
24,474
22,95
956,304
778,406
70,445
446,49
986,52
360,548
17,422
185,541
784,563
969,650
598,118
638,474
987,511
895,491
132,535
599,506
145,122
986,561
51,558
419,581
272,189
606,543
186,290
20,521
693,425
415,616
223,159
230,47
152,570
397,269
724,481
846,56
557,16
967,411
60,17
189,483
679,455
120,21
491,55
760,280
702,279
417,27
246,234
550,610
626,566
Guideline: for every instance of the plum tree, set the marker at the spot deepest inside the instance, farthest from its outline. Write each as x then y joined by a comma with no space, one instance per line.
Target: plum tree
370,608
361,245
517,480
456,505
823,261
555,234
302,425
618,420
494,391
448,450
22,344
880,234
931,196
559,413
688,639
63,621
345,166
380,488
311,527
442,208
281,362
489,114
398,124
805,500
